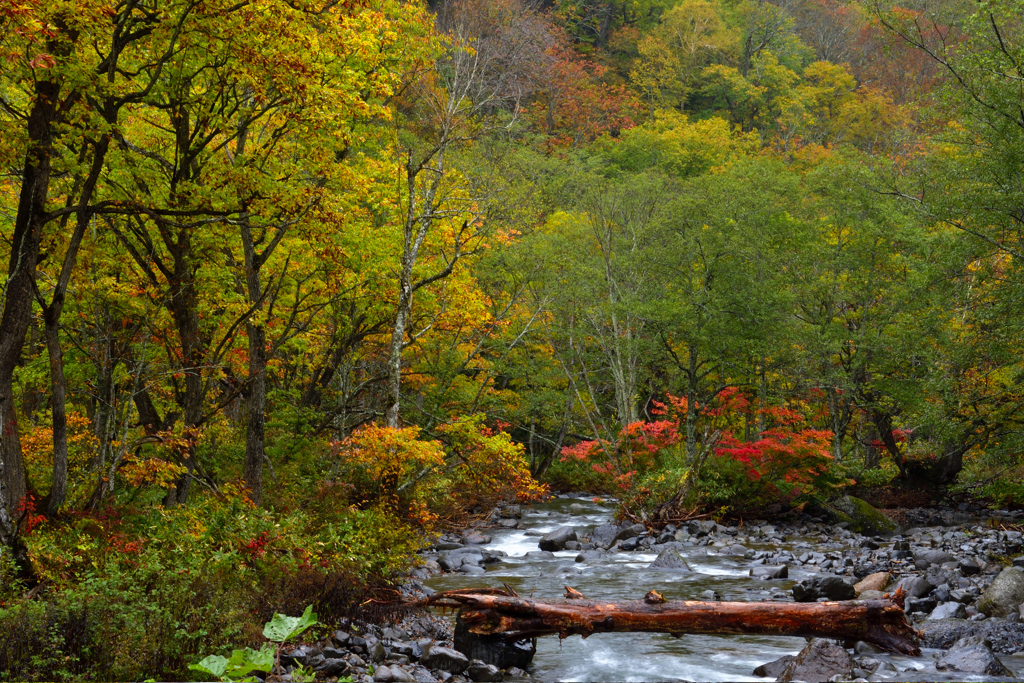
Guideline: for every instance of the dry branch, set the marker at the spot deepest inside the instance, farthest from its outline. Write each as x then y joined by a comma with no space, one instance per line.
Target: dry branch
493,611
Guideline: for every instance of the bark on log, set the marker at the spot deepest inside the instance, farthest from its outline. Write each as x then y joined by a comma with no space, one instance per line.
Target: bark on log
492,611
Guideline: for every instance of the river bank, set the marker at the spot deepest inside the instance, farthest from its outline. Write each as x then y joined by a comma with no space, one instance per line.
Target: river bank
947,570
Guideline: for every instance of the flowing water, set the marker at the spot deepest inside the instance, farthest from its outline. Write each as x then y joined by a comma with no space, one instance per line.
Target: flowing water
624,576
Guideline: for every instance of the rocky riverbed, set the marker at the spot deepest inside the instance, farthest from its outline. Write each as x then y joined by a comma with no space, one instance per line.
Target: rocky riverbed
965,593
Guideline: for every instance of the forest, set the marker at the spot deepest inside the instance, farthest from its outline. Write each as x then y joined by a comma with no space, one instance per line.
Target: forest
293,285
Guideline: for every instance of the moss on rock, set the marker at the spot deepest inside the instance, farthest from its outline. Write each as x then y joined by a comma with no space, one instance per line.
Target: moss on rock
860,515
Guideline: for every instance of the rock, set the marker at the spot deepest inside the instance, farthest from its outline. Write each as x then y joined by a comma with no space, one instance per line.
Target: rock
540,555
589,555
629,544
914,586
382,674
1019,562
333,667
972,654
1004,595
925,558
969,567
873,582
446,659
603,536
925,604
557,539
701,527
511,512
773,668
478,671
508,523
493,649
711,595
516,672
871,595
670,559
476,538
819,662
779,571
400,675
825,586
739,551
411,650
861,517
949,610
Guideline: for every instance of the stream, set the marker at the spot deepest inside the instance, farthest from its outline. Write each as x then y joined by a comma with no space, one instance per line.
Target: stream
625,576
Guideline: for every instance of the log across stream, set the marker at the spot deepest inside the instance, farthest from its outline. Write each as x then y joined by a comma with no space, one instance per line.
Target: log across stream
491,612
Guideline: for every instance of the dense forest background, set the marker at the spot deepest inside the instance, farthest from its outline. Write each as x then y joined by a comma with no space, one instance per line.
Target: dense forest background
291,282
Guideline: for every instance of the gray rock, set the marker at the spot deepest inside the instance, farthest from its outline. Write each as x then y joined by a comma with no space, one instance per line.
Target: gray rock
773,668
819,662
827,586
478,671
446,659
949,610
557,539
629,544
670,559
603,536
779,571
914,586
740,551
400,675
540,555
972,654
382,674
333,667
711,595
925,558
591,555
701,527
1004,595
476,538
969,567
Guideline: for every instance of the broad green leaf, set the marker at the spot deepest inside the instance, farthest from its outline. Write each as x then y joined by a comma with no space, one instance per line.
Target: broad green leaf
282,628
215,665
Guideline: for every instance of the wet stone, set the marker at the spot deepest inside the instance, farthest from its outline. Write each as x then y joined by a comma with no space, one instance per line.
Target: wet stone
773,668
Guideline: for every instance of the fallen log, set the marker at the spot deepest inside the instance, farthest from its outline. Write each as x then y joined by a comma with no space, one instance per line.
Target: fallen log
493,612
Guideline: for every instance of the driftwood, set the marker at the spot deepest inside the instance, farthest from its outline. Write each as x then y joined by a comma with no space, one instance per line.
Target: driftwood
493,611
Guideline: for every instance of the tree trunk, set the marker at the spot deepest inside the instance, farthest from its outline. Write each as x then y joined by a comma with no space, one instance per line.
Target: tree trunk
257,399
59,486
490,611
18,292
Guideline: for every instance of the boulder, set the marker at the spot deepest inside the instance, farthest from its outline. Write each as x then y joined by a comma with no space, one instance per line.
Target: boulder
670,559
949,610
861,517
825,586
701,527
739,551
603,536
972,654
445,659
773,668
913,586
333,667
557,539
873,582
1005,594
400,675
382,674
819,662
779,571
481,672
871,595
926,558
476,538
